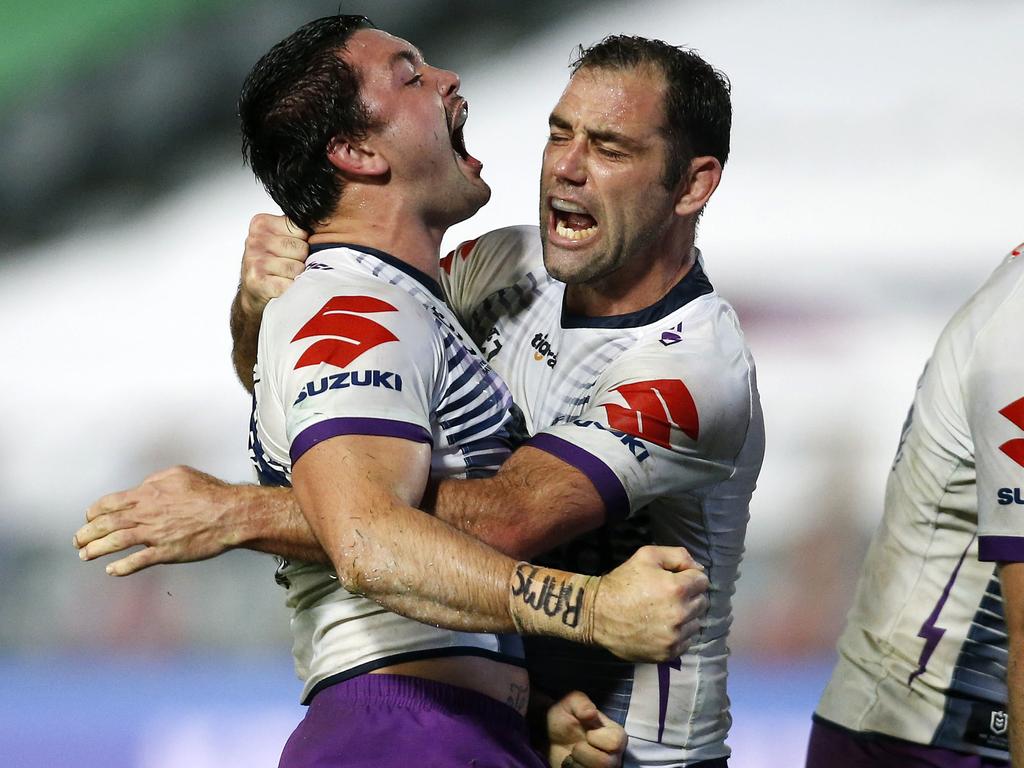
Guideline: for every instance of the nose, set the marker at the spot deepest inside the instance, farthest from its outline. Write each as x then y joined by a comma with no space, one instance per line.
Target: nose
448,82
570,163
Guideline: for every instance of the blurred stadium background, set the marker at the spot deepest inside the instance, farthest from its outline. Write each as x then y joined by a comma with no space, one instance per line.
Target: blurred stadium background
874,182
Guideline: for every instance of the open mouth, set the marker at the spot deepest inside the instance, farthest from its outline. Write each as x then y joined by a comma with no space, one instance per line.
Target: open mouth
572,221
457,121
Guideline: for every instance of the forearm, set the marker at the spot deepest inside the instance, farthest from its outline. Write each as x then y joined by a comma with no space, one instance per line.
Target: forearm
535,503
423,568
1015,685
245,331
1011,576
269,520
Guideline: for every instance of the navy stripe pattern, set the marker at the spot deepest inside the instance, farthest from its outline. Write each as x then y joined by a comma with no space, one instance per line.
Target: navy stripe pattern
977,693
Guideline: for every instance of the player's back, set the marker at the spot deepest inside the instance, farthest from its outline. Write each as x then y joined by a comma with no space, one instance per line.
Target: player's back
363,344
923,655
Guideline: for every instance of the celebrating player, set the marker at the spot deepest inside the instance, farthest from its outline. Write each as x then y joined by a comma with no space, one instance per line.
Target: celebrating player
630,370
932,651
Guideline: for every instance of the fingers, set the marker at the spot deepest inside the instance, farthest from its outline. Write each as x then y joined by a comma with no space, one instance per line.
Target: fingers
585,755
135,562
583,709
675,559
112,502
268,223
116,541
609,738
694,583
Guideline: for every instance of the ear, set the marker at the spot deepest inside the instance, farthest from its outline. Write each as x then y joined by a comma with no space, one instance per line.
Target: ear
700,182
355,159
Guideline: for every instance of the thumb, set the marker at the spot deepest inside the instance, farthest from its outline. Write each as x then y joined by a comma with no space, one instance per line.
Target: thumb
675,559
584,710
294,230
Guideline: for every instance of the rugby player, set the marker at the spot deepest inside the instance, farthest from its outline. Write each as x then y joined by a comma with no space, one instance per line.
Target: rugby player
631,372
929,670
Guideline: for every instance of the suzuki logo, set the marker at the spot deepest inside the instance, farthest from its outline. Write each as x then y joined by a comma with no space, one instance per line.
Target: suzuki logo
352,334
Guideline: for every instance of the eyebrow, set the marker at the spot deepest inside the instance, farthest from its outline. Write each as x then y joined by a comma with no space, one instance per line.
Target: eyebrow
605,136
415,58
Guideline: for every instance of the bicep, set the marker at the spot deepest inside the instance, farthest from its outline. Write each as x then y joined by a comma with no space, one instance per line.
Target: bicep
348,476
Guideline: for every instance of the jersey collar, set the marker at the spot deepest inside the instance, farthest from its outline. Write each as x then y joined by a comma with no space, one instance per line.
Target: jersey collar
693,285
420,277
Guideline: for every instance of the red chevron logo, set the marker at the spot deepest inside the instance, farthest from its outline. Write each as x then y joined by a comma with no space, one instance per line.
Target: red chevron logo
1014,448
463,251
352,334
654,408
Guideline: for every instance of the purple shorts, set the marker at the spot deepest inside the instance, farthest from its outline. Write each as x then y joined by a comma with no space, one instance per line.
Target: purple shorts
832,746
395,721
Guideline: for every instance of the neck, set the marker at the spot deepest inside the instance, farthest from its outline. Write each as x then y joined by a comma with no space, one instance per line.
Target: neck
393,229
641,282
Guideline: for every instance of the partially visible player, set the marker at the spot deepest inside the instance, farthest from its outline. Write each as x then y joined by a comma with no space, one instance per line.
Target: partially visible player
631,371
930,663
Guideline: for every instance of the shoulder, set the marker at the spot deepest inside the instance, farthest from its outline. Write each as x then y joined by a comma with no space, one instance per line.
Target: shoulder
499,246
703,367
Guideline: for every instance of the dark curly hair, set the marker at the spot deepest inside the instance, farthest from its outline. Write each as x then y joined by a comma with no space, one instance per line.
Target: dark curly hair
297,98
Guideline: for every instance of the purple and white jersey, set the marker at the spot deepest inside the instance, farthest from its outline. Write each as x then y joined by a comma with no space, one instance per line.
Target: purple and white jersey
364,344
924,653
659,408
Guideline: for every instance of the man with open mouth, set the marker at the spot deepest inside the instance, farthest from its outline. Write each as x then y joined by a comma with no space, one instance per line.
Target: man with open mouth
631,373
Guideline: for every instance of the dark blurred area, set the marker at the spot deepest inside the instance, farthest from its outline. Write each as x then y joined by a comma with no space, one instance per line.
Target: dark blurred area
104,105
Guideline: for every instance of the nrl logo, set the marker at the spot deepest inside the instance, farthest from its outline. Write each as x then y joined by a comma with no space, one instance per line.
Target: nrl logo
998,722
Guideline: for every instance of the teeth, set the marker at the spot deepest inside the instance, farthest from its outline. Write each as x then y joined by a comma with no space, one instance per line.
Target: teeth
574,234
567,206
460,116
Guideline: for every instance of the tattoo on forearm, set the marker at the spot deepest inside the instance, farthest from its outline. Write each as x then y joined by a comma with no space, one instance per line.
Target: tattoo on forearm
518,695
553,595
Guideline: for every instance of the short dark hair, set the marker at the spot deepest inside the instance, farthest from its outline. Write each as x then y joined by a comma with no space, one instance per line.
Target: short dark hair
698,112
297,98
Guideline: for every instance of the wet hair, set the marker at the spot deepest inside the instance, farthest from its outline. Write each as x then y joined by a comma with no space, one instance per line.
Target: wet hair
297,98
698,112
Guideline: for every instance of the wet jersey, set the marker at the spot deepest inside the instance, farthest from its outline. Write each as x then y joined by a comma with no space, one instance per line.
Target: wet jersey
924,653
363,344
659,409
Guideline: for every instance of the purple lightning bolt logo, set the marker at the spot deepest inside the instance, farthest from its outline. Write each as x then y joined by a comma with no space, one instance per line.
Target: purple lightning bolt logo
929,632
663,668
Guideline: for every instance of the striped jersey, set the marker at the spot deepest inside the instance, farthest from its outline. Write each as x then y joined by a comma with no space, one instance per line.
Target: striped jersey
659,409
363,344
923,656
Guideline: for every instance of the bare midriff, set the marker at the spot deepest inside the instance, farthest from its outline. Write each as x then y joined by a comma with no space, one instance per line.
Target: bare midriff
506,683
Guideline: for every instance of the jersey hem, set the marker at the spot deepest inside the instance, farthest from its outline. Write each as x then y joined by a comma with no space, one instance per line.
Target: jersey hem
351,425
1006,549
401,658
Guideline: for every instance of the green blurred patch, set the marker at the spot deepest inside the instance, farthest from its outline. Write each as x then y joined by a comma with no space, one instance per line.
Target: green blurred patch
46,41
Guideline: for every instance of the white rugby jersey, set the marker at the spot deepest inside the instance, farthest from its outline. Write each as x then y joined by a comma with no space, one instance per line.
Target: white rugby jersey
659,408
924,653
364,344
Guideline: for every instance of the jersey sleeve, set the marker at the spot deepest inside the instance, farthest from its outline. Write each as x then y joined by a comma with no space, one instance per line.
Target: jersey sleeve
352,364
661,421
473,272
995,414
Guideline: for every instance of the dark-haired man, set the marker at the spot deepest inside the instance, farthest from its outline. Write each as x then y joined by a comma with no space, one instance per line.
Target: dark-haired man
631,372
